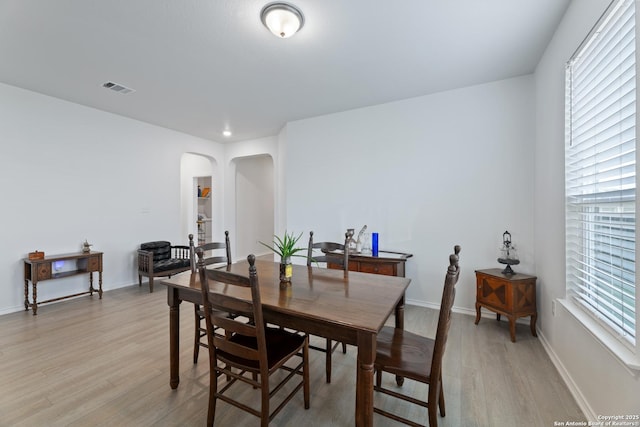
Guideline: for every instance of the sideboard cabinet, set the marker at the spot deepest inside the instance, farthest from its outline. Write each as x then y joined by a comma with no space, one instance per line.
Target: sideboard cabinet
386,263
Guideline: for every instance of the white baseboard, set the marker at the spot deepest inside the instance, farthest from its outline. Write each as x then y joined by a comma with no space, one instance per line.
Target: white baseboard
468,311
564,374
12,309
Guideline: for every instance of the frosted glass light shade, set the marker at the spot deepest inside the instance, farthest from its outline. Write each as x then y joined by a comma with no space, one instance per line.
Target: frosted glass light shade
282,19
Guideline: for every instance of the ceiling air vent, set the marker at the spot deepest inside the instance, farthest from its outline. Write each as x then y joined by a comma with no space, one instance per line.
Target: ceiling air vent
118,87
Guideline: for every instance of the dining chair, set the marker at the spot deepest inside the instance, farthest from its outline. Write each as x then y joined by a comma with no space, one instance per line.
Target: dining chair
214,249
254,350
335,254
415,357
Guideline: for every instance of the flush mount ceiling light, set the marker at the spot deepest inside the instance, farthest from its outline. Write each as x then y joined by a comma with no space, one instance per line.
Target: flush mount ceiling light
282,19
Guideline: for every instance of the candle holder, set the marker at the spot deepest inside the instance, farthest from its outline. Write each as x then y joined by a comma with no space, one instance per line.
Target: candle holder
508,254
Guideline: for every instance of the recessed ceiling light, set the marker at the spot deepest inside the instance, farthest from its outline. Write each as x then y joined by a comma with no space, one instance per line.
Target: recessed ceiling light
226,133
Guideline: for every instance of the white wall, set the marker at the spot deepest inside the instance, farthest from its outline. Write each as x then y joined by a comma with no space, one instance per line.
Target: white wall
426,173
70,172
602,385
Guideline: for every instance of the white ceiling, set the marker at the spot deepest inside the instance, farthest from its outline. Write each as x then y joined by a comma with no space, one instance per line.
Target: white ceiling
200,66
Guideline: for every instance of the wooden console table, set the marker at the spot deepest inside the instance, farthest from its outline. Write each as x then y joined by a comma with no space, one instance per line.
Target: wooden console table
36,270
386,263
513,295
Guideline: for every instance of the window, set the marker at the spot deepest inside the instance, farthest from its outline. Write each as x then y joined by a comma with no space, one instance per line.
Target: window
600,172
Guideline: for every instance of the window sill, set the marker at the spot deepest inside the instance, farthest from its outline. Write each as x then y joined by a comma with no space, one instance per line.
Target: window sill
626,356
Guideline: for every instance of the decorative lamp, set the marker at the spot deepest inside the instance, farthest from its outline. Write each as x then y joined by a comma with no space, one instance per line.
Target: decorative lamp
282,19
508,254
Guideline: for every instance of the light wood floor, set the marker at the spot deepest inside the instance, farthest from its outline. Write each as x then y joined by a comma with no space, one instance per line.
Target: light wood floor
90,362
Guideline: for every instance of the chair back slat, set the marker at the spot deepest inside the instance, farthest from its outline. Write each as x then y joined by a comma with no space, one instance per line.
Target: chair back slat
222,344
329,252
222,320
215,260
231,305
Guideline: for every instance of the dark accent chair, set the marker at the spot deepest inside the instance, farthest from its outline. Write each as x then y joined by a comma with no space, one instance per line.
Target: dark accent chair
408,355
338,254
248,352
161,259
213,249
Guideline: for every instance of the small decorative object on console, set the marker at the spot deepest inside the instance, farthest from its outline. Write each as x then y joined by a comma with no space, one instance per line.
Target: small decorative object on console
36,255
86,246
351,242
360,240
374,244
509,256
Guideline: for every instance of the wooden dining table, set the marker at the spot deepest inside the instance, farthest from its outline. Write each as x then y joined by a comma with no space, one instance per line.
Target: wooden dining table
349,307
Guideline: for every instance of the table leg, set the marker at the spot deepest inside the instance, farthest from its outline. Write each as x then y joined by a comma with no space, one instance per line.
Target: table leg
174,337
91,284
478,314
400,314
364,379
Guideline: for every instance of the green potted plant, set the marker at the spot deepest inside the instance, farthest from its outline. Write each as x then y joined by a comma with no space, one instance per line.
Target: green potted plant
286,248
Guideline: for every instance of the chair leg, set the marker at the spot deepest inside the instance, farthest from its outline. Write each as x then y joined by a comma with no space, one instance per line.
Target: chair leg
150,284
139,279
328,361
432,408
196,341
441,398
344,348
213,390
432,403
264,419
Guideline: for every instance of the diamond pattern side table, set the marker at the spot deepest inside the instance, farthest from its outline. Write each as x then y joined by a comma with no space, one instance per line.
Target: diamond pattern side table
511,295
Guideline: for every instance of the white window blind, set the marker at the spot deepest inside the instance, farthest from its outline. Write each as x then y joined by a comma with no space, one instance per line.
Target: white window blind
600,172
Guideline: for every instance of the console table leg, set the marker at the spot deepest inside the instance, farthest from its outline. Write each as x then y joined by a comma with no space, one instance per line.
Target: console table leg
477,313
100,283
35,298
26,295
91,284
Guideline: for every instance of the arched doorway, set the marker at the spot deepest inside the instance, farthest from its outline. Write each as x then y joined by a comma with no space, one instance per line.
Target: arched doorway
200,215
254,203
